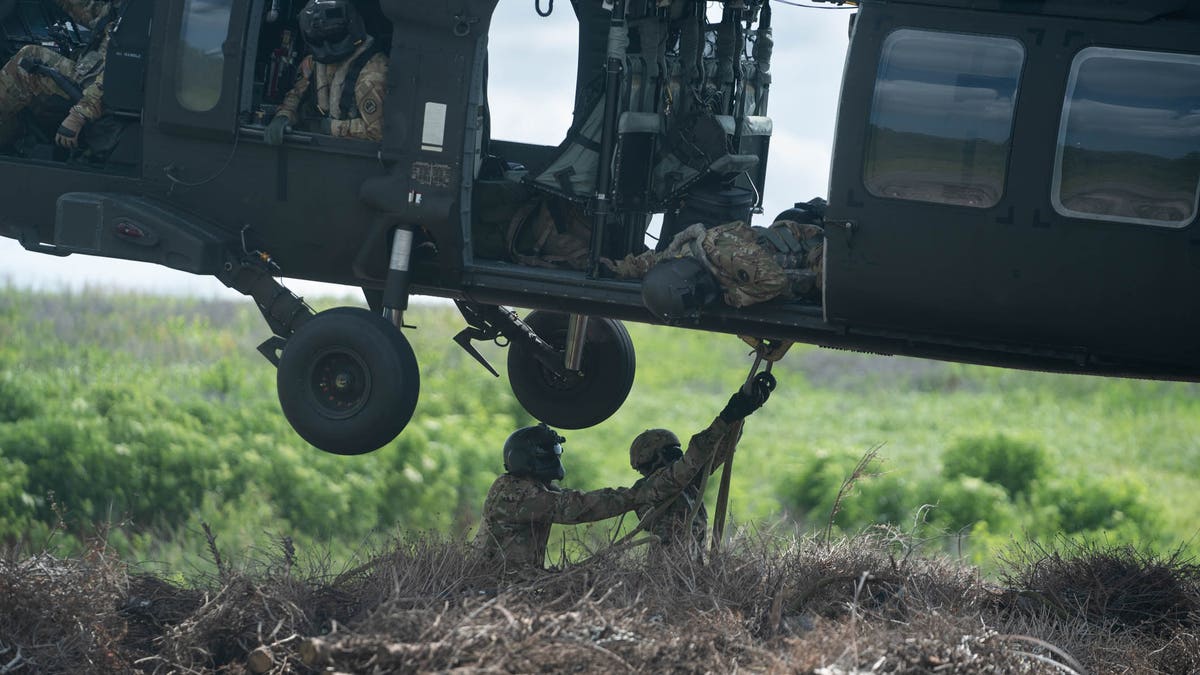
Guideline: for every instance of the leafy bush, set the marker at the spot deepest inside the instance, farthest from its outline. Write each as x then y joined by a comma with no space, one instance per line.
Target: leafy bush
1011,463
20,397
1087,504
966,501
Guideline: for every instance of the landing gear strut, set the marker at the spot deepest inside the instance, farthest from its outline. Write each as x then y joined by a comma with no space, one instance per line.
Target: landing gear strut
569,371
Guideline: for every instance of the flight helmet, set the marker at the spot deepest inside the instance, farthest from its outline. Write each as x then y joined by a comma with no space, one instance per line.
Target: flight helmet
535,452
332,29
654,448
677,289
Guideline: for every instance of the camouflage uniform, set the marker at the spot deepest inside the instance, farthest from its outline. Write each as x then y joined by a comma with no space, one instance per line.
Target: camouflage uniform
752,264
18,87
365,119
671,524
519,511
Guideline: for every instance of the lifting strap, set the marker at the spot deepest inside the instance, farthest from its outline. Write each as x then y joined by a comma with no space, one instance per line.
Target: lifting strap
764,350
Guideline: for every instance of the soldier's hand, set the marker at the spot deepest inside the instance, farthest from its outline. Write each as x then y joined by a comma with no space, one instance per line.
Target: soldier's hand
746,401
68,131
273,134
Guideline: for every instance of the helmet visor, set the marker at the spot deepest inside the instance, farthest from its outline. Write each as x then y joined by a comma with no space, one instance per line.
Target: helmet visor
547,463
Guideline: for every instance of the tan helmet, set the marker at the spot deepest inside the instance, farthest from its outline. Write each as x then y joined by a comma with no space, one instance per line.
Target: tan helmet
645,451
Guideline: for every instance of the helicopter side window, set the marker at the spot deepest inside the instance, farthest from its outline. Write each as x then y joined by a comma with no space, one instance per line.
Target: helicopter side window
201,69
942,117
1129,140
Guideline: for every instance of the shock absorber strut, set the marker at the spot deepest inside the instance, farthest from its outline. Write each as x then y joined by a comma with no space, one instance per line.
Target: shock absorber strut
395,292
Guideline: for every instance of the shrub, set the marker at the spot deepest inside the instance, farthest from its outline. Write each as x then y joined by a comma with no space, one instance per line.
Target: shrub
967,501
1085,504
877,497
19,398
1011,463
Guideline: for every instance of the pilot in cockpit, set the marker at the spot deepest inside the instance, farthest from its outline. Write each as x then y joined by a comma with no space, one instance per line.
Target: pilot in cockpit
340,85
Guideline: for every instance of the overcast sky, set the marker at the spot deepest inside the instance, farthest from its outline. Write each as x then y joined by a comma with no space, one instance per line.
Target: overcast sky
531,89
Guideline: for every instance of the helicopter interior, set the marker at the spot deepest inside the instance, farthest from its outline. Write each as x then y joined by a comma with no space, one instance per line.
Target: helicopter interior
279,49
106,144
686,148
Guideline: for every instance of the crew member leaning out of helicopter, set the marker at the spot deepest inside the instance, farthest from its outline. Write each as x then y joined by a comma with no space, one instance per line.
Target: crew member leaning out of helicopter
20,83
523,503
344,76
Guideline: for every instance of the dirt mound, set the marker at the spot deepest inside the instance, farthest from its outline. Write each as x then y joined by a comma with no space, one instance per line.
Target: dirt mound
778,606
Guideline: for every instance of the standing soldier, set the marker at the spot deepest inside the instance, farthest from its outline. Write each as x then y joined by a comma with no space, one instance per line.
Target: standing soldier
350,73
670,484
23,79
523,503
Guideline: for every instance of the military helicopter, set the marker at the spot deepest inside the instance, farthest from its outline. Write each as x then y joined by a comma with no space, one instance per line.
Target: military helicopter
1013,184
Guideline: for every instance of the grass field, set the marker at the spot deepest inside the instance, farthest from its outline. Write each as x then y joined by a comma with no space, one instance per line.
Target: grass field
156,414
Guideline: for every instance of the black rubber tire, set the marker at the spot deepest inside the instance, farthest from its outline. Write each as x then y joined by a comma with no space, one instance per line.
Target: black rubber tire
607,371
382,380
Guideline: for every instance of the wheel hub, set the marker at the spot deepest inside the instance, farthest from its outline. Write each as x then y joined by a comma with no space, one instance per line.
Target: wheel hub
339,383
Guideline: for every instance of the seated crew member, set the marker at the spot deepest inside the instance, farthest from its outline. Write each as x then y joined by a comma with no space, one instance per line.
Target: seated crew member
21,82
523,503
344,76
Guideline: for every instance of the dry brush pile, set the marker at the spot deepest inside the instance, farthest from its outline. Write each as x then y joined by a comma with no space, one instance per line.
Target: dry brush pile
867,605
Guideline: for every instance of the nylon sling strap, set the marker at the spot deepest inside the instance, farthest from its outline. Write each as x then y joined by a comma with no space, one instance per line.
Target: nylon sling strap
764,350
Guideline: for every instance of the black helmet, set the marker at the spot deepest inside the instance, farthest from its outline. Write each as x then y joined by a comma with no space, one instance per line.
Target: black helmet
333,29
676,289
535,452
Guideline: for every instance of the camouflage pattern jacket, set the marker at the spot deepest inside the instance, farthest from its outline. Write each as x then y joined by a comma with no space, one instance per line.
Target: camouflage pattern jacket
670,524
752,264
519,511
89,69
365,119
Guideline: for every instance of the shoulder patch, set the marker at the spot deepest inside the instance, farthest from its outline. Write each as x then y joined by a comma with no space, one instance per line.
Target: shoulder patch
370,106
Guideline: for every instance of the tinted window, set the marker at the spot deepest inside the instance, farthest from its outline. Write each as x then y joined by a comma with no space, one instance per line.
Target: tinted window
201,60
942,116
1129,143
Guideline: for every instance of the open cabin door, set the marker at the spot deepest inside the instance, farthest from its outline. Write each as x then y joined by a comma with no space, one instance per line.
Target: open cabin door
1020,181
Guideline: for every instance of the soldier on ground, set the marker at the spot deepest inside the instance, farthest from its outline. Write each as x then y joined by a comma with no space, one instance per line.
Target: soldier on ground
344,77
524,502
23,79
675,505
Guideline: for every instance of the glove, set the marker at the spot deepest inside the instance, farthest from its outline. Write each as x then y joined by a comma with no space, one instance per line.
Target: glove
743,403
273,134
68,131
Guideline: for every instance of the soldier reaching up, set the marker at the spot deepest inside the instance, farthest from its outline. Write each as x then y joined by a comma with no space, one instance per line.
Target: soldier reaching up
524,502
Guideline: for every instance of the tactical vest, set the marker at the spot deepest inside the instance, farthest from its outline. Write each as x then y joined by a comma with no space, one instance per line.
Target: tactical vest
348,104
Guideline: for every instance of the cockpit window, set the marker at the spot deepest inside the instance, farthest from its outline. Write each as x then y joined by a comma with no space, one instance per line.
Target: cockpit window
1129,141
199,79
942,117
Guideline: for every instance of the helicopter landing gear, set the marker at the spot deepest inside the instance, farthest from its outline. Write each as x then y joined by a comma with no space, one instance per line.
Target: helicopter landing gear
573,398
348,381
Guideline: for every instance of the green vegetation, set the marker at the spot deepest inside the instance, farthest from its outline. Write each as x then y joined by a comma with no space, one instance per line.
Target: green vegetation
157,414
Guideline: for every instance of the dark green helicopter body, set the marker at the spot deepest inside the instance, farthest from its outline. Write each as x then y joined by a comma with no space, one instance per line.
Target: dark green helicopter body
978,212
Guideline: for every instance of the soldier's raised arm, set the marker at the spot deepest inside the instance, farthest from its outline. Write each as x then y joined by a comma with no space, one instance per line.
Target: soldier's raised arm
667,483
